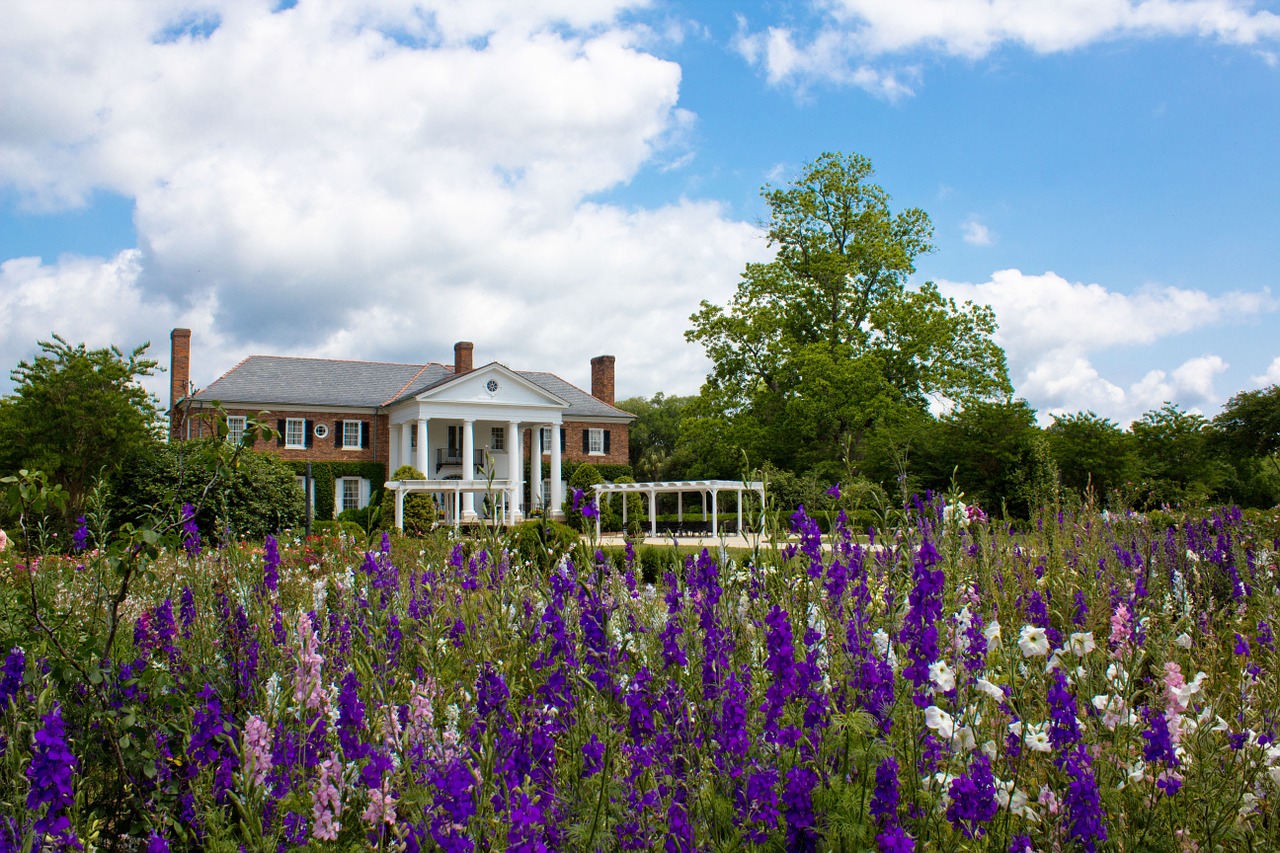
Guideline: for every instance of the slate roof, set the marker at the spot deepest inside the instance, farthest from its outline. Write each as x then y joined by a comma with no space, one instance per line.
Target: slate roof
270,379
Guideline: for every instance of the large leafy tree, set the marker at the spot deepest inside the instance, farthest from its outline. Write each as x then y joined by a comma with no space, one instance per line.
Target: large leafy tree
826,339
1092,453
78,414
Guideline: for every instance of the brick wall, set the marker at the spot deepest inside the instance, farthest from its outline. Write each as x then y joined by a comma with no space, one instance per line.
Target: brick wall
619,452
321,449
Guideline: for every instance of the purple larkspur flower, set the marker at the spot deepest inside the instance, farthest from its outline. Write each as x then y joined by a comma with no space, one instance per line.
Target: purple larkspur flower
80,538
592,756
190,530
15,664
973,798
271,563
52,767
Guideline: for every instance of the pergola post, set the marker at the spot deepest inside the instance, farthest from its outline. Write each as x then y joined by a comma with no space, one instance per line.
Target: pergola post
653,513
715,517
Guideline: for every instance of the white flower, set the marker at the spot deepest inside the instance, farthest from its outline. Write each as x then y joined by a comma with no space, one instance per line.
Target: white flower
992,690
1081,643
1037,739
1183,640
1033,641
881,639
965,740
940,721
942,676
992,633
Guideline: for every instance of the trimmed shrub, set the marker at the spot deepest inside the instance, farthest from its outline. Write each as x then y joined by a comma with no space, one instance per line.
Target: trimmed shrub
419,508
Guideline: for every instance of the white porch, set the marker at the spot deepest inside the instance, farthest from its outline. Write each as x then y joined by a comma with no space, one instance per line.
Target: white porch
478,434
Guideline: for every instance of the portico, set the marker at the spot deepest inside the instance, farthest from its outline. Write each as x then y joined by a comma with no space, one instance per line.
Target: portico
467,435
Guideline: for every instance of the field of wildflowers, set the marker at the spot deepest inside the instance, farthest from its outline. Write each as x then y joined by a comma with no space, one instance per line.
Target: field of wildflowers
946,684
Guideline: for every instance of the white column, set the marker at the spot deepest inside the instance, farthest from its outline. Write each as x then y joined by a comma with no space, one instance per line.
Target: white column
468,466
653,513
715,517
406,443
557,491
515,470
400,510
424,457
393,449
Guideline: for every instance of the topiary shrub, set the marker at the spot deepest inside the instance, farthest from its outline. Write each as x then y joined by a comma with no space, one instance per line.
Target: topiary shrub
584,477
543,542
419,508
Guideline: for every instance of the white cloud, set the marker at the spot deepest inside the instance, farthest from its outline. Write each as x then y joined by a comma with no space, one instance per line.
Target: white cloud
975,233
1052,331
373,180
1271,376
851,34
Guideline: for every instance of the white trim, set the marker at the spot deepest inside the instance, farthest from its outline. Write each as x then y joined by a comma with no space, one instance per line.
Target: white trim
236,425
301,444
346,434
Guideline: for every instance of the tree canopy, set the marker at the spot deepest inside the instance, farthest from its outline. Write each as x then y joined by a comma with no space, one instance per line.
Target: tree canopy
77,414
823,341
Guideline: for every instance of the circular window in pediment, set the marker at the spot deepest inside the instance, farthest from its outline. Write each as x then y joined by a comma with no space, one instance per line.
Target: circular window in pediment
491,386
321,430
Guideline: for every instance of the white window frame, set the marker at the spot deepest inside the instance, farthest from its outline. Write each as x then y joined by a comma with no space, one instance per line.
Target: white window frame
341,484
595,442
295,428
236,425
302,487
347,427
544,439
497,438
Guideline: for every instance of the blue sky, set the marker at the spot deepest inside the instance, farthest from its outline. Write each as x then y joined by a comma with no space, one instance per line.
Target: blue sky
553,179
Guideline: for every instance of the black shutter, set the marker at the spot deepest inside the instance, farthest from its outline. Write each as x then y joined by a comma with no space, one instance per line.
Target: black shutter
337,434
280,429
364,434
586,441
562,440
606,442
307,435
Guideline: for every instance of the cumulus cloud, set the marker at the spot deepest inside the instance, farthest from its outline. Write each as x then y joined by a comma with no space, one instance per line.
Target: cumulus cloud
850,37
1053,330
1271,376
372,180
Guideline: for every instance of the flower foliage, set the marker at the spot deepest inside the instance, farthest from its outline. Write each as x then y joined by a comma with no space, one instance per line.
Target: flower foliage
833,695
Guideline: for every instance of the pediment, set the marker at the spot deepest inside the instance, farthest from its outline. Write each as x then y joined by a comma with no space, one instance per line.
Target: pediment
493,384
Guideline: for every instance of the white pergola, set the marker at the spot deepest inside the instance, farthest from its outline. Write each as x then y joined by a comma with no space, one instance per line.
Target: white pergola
502,492
679,487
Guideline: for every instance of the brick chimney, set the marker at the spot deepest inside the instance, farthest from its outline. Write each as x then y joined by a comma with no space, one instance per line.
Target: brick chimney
179,365
602,378
462,352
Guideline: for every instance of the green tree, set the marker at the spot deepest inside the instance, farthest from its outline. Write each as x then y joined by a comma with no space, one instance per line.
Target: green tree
256,495
1092,453
989,449
654,439
1250,424
78,414
826,339
1247,435
1175,457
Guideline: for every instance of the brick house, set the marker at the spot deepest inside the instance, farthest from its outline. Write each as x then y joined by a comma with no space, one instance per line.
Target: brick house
433,416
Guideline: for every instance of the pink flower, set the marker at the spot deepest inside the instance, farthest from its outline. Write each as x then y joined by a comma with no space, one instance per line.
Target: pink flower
382,807
257,749
307,690
4,540
1120,630
326,807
